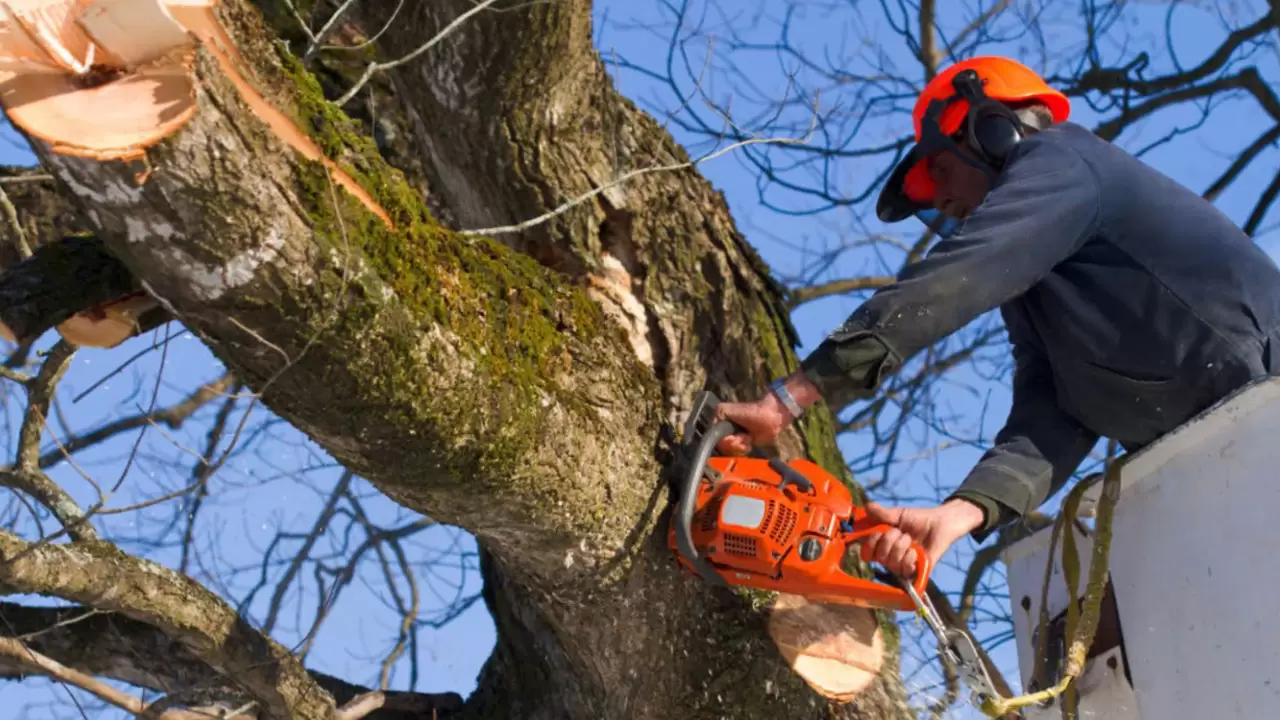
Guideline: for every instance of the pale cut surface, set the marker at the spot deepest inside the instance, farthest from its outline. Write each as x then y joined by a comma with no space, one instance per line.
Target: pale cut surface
81,88
837,649
128,115
114,326
107,79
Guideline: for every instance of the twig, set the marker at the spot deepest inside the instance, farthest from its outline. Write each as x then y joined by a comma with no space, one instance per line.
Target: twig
304,553
565,207
328,27
360,706
24,178
11,215
173,416
306,29
377,67
14,649
371,39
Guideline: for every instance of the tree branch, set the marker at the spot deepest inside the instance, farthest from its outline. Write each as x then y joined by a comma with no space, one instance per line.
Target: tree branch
1242,161
113,646
802,295
25,475
173,416
97,574
16,651
376,67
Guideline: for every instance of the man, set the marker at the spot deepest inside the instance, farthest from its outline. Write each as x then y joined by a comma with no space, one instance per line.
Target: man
1131,303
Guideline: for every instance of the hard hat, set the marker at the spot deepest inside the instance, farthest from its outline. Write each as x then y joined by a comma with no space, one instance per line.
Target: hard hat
941,110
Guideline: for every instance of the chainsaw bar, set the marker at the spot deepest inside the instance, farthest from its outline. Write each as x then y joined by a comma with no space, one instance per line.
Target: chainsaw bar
958,648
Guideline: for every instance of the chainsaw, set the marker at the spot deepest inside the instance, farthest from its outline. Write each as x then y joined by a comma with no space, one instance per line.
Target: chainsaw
759,522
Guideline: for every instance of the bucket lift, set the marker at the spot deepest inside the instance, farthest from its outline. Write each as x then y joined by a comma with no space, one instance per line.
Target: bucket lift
1188,629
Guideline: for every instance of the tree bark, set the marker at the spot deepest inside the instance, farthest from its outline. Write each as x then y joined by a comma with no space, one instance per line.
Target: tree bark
526,390
120,648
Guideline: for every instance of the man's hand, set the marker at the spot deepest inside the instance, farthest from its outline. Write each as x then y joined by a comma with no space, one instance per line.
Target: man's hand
936,529
765,418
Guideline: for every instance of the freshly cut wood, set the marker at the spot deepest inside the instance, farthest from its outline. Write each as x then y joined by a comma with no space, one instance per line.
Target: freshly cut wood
51,24
137,31
106,326
103,81
118,120
108,79
837,649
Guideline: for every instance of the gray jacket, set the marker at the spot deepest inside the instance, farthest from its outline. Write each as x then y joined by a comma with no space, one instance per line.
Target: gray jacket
1131,304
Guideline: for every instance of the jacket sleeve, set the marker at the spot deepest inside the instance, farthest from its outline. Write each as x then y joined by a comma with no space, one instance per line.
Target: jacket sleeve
1043,209
1034,454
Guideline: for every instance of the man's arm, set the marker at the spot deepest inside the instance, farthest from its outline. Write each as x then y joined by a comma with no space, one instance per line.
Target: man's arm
1035,453
1043,210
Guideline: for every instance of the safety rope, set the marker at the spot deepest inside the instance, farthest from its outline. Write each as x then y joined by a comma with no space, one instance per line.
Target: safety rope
1082,622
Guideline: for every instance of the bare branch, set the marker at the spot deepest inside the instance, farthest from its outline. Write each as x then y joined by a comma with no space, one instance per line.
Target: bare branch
173,416
377,67
565,207
14,650
92,572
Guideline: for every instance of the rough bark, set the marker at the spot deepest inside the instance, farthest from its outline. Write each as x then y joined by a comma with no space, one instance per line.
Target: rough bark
524,389
117,647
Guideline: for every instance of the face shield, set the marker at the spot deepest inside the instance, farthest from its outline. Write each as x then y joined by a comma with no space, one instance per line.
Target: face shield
910,189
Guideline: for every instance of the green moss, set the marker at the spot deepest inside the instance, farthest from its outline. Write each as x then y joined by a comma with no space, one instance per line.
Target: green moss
761,600
501,300
517,325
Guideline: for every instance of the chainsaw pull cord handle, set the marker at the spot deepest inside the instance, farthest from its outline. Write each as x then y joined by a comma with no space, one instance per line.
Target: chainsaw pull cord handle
861,526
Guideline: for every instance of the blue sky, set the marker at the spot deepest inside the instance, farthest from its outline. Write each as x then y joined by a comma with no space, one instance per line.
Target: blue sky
278,481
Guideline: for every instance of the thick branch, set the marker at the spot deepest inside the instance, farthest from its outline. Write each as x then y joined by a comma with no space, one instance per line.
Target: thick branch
113,646
59,280
100,576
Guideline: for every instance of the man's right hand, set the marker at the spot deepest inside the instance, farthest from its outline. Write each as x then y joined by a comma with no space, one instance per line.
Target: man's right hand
935,529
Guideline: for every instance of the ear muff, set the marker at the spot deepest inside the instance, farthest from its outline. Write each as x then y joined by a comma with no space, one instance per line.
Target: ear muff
991,128
994,131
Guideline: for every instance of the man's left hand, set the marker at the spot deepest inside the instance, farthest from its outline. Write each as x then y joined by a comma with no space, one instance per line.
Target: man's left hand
763,421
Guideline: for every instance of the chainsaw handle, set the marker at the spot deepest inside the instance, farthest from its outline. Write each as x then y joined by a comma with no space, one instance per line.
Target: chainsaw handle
790,476
864,527
689,494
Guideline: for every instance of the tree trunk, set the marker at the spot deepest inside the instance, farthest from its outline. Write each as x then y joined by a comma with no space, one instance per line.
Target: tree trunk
526,388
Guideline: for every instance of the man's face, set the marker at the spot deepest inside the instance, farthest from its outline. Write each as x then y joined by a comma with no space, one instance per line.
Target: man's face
960,186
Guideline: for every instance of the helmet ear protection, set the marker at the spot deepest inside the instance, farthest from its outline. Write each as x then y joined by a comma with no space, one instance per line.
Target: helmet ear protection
990,127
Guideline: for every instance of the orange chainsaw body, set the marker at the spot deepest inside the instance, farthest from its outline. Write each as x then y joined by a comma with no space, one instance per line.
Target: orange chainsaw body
754,529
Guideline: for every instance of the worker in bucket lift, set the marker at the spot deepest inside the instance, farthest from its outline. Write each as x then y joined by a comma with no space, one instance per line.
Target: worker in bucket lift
1131,303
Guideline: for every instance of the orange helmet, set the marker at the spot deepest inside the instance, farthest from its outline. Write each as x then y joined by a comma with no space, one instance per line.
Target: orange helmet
911,188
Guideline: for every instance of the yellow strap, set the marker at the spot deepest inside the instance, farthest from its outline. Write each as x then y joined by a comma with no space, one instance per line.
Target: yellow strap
1082,623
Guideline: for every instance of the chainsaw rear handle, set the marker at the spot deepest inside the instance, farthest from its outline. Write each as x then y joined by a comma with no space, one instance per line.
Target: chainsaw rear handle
864,527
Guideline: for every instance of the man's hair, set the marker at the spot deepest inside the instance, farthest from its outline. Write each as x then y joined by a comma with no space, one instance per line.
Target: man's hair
1035,115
